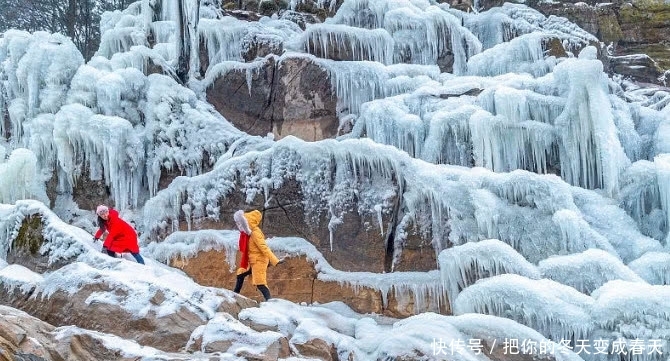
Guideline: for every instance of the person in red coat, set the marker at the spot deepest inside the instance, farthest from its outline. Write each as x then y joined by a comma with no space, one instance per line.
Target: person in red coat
121,236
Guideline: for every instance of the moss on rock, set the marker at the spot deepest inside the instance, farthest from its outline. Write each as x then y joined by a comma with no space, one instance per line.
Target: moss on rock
30,237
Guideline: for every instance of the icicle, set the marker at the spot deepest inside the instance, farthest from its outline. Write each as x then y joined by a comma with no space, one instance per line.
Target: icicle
557,311
662,163
20,178
463,265
449,139
522,54
388,121
502,145
590,152
360,44
80,134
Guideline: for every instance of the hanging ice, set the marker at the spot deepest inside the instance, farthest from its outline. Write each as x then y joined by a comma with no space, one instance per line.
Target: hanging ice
662,163
38,68
524,54
20,178
591,154
463,265
348,43
557,311
107,143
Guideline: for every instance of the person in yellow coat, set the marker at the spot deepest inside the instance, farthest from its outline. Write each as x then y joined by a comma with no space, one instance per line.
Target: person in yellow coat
256,251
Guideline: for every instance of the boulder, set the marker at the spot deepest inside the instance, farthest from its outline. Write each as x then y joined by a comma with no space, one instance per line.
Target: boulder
637,67
292,96
317,348
23,337
226,334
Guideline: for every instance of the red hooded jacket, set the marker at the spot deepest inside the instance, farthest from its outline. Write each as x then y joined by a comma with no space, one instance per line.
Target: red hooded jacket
121,237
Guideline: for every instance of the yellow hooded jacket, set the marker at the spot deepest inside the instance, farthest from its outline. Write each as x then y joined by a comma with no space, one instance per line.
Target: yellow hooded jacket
259,252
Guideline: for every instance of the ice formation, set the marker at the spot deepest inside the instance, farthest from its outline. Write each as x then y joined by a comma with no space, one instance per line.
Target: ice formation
557,311
586,271
463,265
20,177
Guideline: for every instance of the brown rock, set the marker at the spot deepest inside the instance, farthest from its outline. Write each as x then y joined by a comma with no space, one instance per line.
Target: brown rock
293,97
23,337
319,349
297,280
638,26
361,299
262,46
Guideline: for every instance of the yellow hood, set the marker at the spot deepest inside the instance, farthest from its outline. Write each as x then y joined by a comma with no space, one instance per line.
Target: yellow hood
253,218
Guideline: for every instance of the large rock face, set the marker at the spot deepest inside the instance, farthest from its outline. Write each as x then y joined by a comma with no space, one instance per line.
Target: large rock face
638,26
296,280
291,96
632,27
357,243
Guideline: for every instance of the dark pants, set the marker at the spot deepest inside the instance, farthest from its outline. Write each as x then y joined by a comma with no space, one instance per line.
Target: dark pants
137,256
240,280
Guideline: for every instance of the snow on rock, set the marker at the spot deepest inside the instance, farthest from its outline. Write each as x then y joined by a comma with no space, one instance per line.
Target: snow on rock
225,333
320,330
463,265
496,333
632,310
98,345
92,280
313,328
185,245
587,271
16,276
65,242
